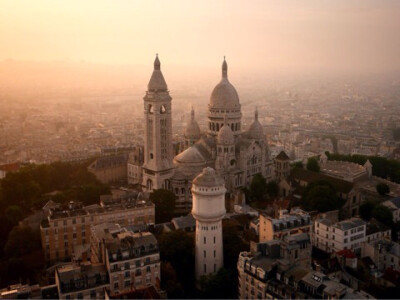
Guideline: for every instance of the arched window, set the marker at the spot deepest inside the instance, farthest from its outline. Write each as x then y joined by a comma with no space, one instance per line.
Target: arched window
150,108
149,184
217,127
163,109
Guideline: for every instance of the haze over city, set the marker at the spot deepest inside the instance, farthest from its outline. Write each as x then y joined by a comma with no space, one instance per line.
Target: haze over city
199,149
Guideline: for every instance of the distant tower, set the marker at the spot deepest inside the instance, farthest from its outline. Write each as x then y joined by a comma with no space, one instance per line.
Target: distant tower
282,166
368,168
158,167
208,192
192,131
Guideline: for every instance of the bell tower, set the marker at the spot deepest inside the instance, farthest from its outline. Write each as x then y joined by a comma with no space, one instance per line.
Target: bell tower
157,167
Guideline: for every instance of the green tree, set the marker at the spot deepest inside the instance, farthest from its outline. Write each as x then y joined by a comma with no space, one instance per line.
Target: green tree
177,248
312,164
164,202
383,215
170,282
366,209
21,241
258,187
298,164
14,214
218,286
382,189
320,196
272,189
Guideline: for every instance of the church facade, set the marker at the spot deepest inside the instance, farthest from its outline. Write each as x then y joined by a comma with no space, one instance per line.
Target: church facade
235,154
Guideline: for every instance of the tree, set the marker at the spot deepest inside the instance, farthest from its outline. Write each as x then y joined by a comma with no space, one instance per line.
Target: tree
312,164
382,189
218,286
320,196
258,187
383,214
170,282
298,164
366,209
177,248
272,189
14,214
21,241
164,202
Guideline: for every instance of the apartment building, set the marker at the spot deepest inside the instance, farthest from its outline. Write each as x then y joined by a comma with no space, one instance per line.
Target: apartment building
273,270
333,237
132,259
84,281
296,221
258,266
384,253
68,227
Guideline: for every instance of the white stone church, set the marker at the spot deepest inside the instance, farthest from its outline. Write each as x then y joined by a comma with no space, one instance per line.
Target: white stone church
235,154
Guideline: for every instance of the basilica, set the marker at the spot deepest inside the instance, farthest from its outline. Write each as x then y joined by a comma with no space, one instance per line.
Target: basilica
236,154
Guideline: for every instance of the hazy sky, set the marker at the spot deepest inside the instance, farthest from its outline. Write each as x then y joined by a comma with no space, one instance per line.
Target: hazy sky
275,35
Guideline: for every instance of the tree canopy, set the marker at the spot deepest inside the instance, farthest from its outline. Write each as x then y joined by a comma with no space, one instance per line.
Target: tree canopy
382,189
177,249
312,164
321,196
164,201
258,187
272,189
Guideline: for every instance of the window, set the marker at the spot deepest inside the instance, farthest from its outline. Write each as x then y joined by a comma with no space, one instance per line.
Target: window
80,296
73,221
205,240
126,265
214,239
205,268
215,253
127,274
148,269
116,285
205,253
93,294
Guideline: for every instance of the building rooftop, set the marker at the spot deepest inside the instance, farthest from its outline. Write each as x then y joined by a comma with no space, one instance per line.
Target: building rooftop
74,277
349,224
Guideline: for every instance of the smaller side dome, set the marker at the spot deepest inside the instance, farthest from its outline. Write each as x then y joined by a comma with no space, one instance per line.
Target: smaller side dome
208,178
192,129
256,131
225,135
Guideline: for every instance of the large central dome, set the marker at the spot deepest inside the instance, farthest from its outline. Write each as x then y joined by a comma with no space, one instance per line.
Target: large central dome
224,102
224,95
